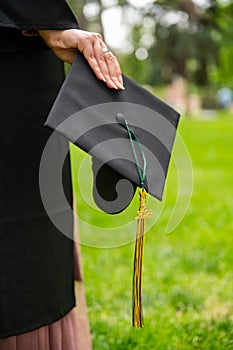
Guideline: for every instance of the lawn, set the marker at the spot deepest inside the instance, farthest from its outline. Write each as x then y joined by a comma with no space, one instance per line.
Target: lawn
188,274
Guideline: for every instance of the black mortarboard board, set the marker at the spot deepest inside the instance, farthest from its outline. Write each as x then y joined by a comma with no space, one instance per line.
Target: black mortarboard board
129,134
92,116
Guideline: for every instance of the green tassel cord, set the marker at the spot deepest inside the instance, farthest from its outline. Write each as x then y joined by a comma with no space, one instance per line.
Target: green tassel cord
141,217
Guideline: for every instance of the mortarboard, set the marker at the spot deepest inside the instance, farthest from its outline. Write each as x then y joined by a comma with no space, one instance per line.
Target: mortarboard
129,134
91,115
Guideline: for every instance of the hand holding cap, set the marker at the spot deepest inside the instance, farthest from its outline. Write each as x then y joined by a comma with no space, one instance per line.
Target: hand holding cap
90,115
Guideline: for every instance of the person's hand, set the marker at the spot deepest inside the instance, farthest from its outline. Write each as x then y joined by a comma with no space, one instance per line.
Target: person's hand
65,44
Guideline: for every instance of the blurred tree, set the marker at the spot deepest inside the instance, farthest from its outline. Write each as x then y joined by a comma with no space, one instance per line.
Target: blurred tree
89,13
185,42
77,7
223,74
165,38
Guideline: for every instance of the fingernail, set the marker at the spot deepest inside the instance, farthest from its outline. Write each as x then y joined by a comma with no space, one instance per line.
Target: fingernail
114,85
103,78
121,86
121,79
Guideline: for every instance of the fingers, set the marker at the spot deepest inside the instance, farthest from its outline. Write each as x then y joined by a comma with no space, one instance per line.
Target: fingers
88,53
104,64
114,69
109,66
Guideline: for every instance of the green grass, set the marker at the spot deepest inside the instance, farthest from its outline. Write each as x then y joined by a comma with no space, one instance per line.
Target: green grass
188,274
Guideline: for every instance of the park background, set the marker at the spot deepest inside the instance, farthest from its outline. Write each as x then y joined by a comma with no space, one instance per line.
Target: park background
182,51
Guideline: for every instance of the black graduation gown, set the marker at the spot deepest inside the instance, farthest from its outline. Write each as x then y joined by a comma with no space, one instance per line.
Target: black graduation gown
36,14
36,259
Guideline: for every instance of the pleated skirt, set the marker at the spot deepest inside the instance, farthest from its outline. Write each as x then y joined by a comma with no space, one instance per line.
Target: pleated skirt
60,335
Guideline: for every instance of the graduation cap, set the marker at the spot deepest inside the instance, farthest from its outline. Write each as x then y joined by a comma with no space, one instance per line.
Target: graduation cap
129,134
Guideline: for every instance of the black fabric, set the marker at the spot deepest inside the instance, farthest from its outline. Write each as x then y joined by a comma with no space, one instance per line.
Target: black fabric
36,259
106,187
36,14
31,15
86,111
12,40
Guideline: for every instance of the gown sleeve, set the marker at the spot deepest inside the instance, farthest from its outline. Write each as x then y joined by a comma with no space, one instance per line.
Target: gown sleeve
36,14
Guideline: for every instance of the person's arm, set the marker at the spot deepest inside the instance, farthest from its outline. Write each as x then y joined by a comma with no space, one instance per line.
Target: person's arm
56,24
65,44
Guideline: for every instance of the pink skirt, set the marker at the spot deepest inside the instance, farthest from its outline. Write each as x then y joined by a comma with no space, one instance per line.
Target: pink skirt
63,334
60,335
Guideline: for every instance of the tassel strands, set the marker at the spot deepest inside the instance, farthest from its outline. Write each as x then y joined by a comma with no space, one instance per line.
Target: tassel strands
141,217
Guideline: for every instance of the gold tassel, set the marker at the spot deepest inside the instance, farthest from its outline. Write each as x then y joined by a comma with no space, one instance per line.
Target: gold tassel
142,215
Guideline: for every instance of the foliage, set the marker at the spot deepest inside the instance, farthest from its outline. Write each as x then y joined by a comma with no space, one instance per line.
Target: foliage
222,74
187,278
169,38
185,40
